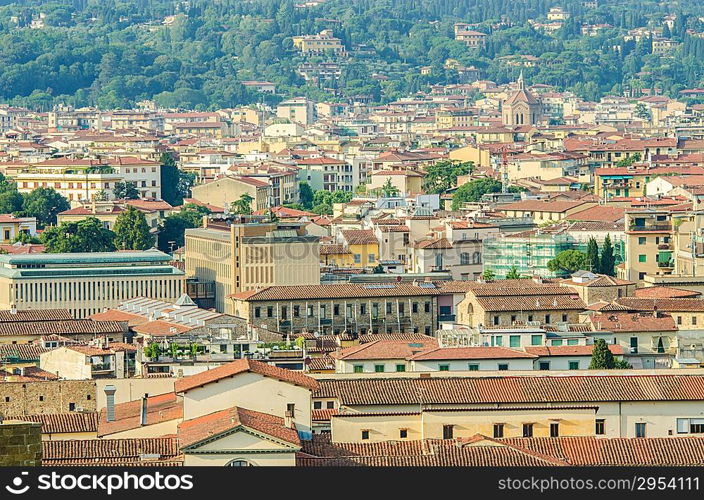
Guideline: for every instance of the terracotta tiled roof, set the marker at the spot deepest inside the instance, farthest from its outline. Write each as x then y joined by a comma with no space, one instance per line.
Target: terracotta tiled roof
512,389
665,292
600,281
198,429
435,243
31,374
570,350
161,408
662,304
406,337
7,316
360,237
385,349
324,415
531,303
474,452
117,315
243,366
116,452
599,451
21,351
617,321
67,327
459,353
345,290
333,249
160,328
600,213
57,423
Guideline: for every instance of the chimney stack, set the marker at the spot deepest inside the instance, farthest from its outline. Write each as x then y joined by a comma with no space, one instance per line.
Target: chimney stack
143,412
13,309
289,420
110,402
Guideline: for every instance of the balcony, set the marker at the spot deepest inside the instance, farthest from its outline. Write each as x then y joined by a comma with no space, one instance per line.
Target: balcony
658,228
101,367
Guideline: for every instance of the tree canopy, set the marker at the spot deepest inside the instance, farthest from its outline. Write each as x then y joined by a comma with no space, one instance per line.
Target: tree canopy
86,235
132,231
568,261
473,191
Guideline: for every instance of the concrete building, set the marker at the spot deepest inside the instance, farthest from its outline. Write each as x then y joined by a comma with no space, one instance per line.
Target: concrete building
86,283
299,110
240,256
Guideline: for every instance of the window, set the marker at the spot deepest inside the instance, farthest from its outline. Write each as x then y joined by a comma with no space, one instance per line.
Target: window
514,341
690,425
358,369
554,429
427,307
238,463
257,312
296,311
464,258
694,320
444,368
473,367
641,240
530,317
574,365
72,407
642,258
556,342
379,368
536,339
336,310
330,405
640,429
447,431
403,433
545,365
362,308
400,368
496,320
679,320
317,405
371,258
599,427
270,311
309,312
547,319
513,319
564,317
498,430
498,340
503,367
527,430
572,341
357,258
634,345
365,434
41,398
414,307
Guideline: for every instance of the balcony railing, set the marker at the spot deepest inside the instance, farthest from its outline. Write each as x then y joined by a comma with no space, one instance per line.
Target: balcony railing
651,227
101,367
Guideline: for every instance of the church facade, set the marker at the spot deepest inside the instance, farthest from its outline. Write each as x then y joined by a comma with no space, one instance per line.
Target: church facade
522,107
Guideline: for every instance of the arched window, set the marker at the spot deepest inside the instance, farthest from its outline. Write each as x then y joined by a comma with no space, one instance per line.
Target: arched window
477,258
238,463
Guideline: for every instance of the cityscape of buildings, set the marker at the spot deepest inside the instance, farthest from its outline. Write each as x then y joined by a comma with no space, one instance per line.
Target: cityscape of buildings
480,274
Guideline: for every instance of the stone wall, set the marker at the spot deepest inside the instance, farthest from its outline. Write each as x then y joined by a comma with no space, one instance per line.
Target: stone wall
55,396
20,443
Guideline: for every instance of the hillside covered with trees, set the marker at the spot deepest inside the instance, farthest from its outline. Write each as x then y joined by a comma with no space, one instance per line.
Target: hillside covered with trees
115,53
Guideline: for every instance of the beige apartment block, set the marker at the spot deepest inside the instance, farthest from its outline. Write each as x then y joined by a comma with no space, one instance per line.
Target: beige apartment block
243,256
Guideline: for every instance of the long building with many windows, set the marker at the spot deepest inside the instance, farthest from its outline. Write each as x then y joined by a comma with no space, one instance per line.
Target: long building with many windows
86,283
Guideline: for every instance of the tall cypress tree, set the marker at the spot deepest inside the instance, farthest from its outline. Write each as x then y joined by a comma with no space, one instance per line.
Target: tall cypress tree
593,256
602,358
607,258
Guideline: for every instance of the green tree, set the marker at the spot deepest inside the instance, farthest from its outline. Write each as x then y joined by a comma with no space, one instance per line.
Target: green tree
175,183
608,261
126,191
568,261
473,191
243,205
305,195
132,231
442,176
602,358
44,204
488,275
173,228
87,235
593,256
388,189
513,274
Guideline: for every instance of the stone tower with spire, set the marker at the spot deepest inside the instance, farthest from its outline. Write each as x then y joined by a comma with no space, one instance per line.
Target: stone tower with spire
522,107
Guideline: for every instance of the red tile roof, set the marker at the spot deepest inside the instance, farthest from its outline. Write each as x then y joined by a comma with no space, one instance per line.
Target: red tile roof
58,423
161,408
114,452
385,349
512,389
664,292
617,321
244,366
460,353
211,425
570,350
